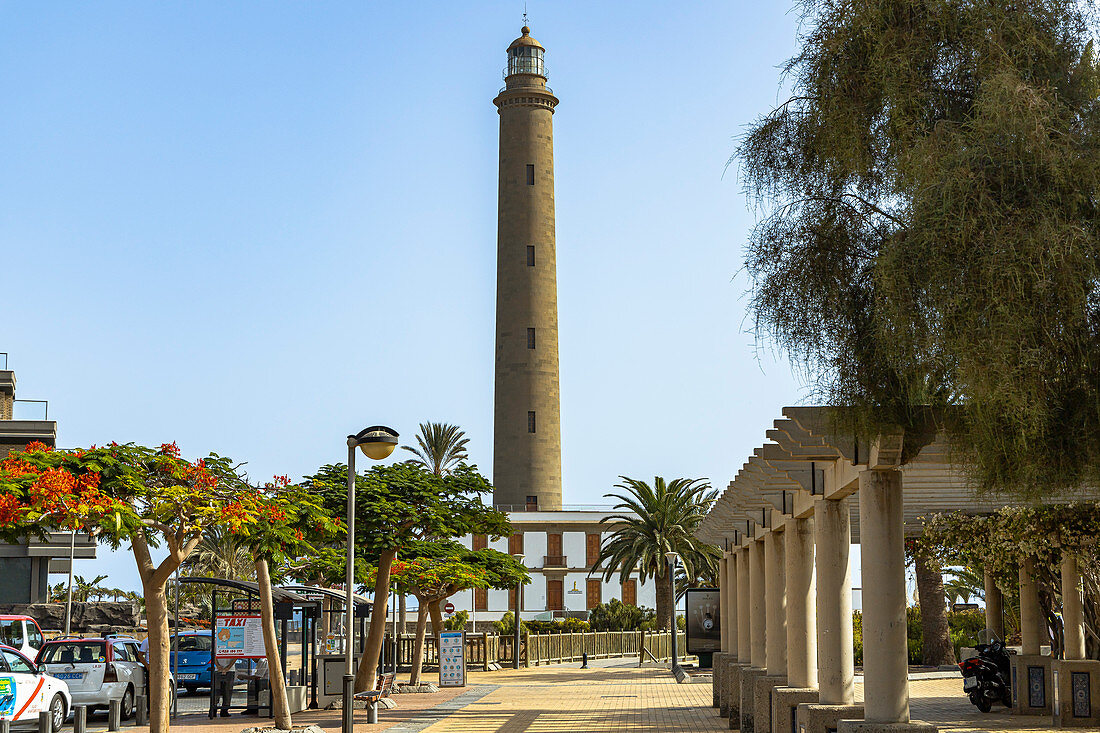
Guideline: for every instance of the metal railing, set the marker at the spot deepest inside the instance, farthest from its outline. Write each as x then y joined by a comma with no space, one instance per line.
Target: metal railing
22,414
554,561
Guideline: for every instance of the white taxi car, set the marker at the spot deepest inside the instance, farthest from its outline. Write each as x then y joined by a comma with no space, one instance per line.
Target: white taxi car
25,691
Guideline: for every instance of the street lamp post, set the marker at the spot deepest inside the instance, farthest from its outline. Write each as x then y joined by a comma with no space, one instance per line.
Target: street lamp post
672,558
376,442
517,638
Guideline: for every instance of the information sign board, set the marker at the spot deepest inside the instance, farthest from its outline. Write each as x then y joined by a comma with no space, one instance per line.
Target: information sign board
240,636
704,632
452,659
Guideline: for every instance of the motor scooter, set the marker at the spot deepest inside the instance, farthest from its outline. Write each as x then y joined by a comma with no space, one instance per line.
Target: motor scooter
987,676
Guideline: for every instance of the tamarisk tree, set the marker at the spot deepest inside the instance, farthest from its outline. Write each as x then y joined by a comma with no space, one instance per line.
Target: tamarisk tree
928,230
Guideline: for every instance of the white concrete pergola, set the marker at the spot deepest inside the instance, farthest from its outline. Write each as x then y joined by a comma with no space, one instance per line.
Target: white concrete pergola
785,524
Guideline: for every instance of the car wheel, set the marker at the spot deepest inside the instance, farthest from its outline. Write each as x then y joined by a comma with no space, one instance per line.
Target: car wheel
127,707
191,689
57,712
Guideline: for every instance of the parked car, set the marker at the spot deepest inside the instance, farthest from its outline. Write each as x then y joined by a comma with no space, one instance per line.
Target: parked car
194,658
22,633
26,691
98,670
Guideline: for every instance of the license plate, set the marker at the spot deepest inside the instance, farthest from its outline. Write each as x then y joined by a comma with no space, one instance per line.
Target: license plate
970,683
69,675
189,676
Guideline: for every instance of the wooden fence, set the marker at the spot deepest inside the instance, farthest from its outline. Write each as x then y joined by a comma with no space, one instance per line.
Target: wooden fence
484,649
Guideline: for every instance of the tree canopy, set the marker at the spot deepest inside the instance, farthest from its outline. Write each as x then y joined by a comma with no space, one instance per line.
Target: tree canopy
928,227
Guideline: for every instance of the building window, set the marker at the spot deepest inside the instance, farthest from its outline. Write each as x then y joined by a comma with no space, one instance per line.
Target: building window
481,599
512,599
480,542
530,255
592,597
515,544
530,338
592,548
531,421
630,592
532,504
530,174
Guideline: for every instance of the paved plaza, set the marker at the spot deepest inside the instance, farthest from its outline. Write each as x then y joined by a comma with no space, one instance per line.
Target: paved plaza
615,695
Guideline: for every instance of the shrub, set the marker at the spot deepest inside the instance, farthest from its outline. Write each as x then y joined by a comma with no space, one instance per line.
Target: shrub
618,616
457,622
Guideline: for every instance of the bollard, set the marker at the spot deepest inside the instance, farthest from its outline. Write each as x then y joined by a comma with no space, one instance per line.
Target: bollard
141,710
584,660
80,719
114,715
372,713
45,722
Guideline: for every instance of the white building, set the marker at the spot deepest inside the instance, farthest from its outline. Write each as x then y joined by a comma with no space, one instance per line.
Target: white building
559,548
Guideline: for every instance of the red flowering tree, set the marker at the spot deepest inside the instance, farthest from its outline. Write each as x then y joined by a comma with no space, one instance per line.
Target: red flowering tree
437,571
147,497
289,529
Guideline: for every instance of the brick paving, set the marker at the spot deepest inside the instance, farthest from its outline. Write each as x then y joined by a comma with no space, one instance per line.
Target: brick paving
613,696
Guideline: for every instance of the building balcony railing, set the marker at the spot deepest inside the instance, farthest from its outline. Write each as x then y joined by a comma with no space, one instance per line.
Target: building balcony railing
554,561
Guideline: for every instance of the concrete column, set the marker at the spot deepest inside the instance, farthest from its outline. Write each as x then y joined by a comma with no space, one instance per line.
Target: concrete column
729,577
758,612
724,603
775,591
801,609
1073,609
1031,625
885,650
835,655
994,606
744,608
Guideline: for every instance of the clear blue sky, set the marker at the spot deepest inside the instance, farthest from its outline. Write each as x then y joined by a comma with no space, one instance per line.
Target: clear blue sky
253,228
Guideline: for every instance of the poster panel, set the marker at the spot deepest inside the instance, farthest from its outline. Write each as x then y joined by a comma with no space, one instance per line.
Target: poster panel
452,659
240,636
704,618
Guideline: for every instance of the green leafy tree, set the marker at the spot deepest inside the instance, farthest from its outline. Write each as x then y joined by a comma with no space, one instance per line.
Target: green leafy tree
663,518
441,447
436,570
928,228
85,590
396,505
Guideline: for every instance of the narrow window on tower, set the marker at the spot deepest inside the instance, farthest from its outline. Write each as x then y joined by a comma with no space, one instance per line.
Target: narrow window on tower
530,338
531,421
530,174
530,255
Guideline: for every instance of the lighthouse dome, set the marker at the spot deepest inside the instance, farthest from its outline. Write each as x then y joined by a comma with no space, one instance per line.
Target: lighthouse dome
525,55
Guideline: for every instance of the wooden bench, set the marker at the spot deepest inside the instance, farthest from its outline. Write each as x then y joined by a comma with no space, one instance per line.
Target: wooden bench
384,688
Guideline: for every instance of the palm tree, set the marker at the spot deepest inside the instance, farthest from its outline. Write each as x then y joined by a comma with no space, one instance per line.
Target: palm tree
442,447
84,590
220,555
663,518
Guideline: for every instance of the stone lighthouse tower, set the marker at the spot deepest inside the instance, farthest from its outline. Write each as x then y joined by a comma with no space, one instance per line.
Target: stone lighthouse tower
527,425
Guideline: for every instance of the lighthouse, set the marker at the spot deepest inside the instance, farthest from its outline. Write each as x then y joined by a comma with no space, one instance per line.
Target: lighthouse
527,423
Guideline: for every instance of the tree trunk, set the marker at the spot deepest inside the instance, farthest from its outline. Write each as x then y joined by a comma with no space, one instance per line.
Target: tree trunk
937,647
418,645
280,706
367,673
156,615
437,620
402,612
664,600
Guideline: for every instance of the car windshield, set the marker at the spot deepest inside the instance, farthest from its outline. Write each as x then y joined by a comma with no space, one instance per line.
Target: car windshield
194,644
74,652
